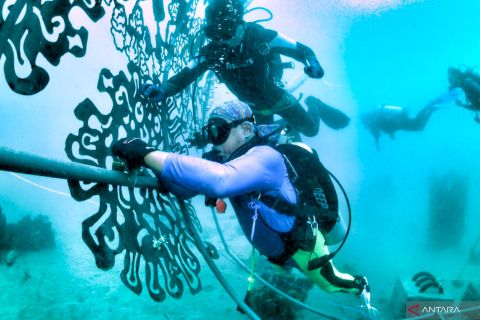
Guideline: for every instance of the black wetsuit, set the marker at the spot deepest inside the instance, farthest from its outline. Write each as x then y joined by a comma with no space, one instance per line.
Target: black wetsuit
471,86
251,72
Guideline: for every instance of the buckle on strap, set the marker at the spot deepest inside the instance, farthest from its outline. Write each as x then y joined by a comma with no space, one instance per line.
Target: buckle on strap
255,207
313,224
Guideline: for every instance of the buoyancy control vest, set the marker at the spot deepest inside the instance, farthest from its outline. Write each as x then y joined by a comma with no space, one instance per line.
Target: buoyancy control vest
317,201
316,195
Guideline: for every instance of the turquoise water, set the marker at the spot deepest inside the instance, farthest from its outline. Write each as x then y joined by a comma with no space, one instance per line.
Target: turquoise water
400,57
375,52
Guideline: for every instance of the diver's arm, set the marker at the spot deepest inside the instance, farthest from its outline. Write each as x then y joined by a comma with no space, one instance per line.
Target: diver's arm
296,50
262,168
289,47
185,77
155,160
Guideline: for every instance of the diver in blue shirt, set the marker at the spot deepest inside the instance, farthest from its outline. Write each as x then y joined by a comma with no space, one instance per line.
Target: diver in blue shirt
245,169
246,57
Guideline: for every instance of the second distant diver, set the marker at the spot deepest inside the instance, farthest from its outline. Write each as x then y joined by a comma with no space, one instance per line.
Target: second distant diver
385,119
246,57
467,79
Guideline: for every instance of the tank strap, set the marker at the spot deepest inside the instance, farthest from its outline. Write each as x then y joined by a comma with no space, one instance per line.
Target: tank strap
278,204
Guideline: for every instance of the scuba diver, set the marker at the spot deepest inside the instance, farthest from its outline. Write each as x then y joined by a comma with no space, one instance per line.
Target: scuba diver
389,119
467,79
247,169
246,57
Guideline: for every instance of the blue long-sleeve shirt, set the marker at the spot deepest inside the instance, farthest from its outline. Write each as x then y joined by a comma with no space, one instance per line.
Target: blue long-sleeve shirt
260,170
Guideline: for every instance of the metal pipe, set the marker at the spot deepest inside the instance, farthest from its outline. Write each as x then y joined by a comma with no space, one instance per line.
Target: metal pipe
23,162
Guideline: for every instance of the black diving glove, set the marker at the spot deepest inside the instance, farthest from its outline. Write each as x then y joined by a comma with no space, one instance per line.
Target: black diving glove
313,69
153,92
132,151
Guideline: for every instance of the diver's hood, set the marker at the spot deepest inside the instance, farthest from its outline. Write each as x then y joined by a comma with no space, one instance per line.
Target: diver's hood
225,9
223,17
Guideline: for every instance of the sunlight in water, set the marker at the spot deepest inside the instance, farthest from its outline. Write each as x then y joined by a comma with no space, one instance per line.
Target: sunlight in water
370,6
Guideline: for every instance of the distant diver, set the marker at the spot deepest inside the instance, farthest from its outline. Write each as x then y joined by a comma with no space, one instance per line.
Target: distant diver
246,168
467,79
390,119
246,57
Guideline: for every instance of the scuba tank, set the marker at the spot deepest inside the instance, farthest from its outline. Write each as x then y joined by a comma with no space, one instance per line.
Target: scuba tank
337,233
392,112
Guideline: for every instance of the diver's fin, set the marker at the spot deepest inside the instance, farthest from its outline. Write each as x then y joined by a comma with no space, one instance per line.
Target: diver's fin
365,296
332,117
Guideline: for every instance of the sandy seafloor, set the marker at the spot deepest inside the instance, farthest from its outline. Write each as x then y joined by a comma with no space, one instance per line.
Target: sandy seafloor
65,284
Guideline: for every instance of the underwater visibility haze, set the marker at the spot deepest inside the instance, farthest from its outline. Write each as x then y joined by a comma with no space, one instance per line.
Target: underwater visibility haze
402,142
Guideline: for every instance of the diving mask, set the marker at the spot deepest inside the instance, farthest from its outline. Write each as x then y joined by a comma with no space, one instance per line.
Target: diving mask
217,130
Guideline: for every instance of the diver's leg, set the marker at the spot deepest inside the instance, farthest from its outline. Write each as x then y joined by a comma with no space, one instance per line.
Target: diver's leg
332,117
263,119
328,277
292,111
418,123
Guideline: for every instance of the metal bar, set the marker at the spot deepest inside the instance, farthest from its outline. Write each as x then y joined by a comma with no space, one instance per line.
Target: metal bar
23,162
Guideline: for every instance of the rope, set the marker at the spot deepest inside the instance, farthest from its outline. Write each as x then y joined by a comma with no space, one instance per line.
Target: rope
47,189
251,278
